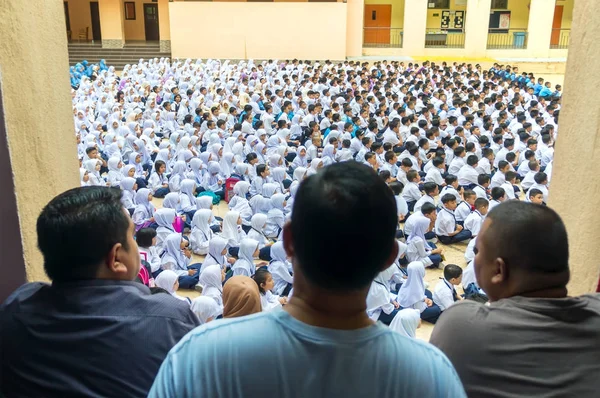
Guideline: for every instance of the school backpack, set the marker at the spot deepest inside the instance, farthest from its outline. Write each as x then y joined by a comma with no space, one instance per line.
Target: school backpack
229,184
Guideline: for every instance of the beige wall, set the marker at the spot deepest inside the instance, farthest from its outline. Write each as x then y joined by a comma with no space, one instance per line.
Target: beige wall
519,13
37,106
258,30
164,20
578,151
354,37
567,17
79,16
397,10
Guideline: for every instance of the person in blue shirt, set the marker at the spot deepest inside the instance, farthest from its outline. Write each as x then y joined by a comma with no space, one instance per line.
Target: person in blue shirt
546,91
538,87
322,343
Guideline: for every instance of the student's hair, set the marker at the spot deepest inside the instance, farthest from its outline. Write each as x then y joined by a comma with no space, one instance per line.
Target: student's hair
158,164
459,150
71,221
483,179
251,156
450,179
260,276
540,177
502,164
428,208
480,203
452,271
510,157
385,175
510,175
369,156
411,175
397,187
534,192
472,160
376,146
389,156
448,198
437,161
498,193
515,222
338,205
144,237
429,187
468,193
260,169
346,143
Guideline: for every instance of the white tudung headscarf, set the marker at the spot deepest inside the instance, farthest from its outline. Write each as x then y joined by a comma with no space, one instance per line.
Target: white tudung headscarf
205,308
166,280
171,201
231,228
165,218
173,253
200,223
419,229
245,263
406,322
212,285
413,290
214,256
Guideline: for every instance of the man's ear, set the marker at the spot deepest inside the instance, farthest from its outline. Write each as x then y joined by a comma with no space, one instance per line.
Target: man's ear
113,260
500,271
288,244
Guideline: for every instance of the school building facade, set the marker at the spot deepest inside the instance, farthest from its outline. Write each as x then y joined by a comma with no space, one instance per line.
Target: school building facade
329,29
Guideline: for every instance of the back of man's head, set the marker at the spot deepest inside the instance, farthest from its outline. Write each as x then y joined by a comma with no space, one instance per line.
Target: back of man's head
345,204
527,237
78,229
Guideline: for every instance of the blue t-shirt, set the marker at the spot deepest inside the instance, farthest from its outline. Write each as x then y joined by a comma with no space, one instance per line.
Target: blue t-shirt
271,354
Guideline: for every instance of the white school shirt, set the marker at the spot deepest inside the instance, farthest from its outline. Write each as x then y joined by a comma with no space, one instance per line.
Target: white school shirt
269,301
434,175
445,223
497,180
484,166
424,199
443,294
542,188
509,190
480,192
493,203
450,189
456,165
462,211
418,251
401,176
473,222
401,206
467,175
500,155
411,192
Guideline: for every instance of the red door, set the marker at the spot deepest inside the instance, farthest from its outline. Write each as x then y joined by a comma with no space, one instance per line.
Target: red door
377,23
556,25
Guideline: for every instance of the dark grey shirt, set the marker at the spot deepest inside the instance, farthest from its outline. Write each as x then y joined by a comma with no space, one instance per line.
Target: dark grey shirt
527,347
89,338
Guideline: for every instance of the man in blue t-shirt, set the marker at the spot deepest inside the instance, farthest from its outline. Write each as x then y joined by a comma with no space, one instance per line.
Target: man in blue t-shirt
322,344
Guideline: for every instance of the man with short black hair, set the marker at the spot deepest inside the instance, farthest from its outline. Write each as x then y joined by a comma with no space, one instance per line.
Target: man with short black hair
532,340
322,344
93,331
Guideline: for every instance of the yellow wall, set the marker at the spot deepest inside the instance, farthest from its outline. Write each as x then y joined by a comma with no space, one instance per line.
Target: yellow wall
42,146
135,29
251,31
519,13
433,23
79,16
397,10
567,17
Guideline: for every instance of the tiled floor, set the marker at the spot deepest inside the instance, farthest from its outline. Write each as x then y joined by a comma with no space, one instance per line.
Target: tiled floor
454,255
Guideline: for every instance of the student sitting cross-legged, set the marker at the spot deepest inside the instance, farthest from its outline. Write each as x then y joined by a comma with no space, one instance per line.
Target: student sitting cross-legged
444,294
446,228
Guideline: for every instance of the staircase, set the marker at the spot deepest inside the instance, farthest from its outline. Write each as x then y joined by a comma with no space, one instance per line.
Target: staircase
117,57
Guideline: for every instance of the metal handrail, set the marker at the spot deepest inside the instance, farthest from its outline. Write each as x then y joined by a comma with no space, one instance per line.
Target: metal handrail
382,37
445,39
560,38
507,39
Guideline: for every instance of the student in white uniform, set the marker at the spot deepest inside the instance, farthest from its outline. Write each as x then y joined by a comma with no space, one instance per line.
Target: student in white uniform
413,294
201,233
281,270
464,208
467,175
418,247
444,294
381,303
498,196
165,218
431,191
446,228
541,182
245,262
268,300
499,177
211,281
411,192
509,185
452,188
406,322
434,174
475,219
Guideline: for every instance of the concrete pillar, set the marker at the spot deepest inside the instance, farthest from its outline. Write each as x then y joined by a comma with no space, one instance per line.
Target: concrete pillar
112,23
415,23
37,139
354,27
164,26
476,27
575,184
539,28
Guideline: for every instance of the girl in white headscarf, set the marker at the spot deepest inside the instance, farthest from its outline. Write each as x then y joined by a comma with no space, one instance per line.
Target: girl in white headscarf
143,215
412,294
276,217
93,168
205,308
281,270
177,258
315,165
233,232
258,223
418,247
177,176
169,281
128,186
301,159
114,172
217,250
187,198
239,202
245,263
328,156
201,232
406,322
84,177
211,281
213,180
165,218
